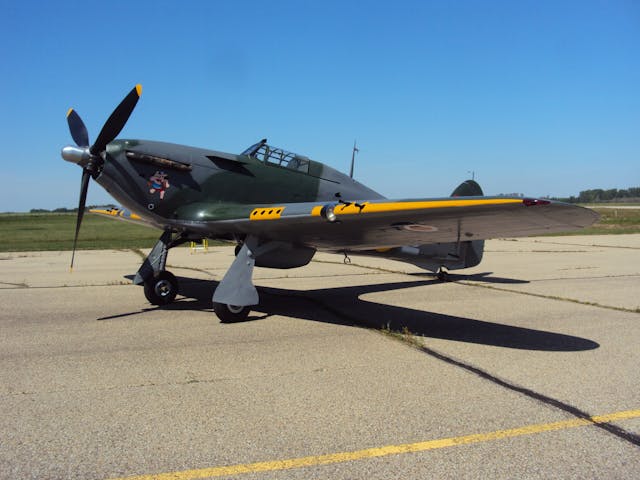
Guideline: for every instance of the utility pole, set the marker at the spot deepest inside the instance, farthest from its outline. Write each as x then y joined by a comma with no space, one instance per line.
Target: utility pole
353,158
473,174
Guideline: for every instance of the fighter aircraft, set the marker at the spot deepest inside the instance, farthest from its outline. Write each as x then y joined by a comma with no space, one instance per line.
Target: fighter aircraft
280,208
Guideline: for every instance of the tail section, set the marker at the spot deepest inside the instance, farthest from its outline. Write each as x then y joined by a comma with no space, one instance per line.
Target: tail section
434,256
470,251
468,188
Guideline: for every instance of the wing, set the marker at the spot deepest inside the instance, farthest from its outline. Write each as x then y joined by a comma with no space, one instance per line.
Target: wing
121,214
389,223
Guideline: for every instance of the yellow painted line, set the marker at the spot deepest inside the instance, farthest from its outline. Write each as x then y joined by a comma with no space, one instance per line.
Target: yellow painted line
352,209
316,460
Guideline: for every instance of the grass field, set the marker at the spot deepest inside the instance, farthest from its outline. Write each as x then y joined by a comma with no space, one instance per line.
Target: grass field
54,231
613,221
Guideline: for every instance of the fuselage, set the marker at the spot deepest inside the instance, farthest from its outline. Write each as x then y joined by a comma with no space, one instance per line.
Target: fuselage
166,183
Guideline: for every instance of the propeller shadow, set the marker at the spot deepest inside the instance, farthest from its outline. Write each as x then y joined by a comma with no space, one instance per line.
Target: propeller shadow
343,306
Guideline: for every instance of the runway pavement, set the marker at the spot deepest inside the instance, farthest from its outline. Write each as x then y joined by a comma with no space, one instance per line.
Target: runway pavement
523,367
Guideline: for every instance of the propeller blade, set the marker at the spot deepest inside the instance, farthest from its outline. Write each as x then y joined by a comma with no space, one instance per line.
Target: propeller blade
84,187
115,123
77,128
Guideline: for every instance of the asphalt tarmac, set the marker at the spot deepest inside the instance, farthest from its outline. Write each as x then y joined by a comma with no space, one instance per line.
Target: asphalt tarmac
523,367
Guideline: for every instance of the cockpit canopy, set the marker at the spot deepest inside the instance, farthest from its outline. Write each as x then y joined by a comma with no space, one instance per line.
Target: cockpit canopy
277,156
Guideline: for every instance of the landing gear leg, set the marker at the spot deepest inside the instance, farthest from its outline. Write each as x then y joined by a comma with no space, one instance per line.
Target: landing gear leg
236,293
160,285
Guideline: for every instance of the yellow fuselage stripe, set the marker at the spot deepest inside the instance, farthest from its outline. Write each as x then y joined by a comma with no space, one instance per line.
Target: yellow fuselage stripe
387,450
352,209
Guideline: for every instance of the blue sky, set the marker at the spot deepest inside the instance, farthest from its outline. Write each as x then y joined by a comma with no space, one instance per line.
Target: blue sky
538,97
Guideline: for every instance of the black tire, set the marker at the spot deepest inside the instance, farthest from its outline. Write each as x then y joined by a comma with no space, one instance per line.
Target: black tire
236,251
230,313
161,289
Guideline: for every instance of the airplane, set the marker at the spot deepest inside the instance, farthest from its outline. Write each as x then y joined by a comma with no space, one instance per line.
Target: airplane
280,208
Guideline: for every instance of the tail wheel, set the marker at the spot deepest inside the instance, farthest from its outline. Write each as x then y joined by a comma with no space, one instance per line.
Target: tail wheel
230,313
443,275
161,289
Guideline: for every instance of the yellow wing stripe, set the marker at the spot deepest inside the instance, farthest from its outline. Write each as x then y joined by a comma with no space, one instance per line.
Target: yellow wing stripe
269,213
115,212
417,205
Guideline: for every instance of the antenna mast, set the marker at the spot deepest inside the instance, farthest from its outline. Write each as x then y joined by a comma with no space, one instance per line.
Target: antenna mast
353,158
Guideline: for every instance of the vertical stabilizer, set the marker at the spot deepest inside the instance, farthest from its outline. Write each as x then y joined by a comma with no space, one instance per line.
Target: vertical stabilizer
468,188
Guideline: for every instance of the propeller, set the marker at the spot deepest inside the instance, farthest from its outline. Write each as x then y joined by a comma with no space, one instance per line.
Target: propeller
91,159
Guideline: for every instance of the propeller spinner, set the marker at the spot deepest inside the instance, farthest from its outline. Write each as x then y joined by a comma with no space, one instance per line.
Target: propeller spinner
92,158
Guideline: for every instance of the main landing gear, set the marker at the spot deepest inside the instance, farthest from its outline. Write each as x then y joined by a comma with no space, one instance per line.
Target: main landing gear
230,313
160,285
162,288
235,293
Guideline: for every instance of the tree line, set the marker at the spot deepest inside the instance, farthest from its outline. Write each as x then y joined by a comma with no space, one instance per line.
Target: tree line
68,210
598,195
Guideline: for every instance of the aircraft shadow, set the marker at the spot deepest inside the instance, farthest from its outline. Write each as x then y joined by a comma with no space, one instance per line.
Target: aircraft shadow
343,306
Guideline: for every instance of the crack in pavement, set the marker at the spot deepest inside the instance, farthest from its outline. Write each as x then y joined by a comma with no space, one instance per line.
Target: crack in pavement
551,297
582,244
16,285
619,432
539,295
188,381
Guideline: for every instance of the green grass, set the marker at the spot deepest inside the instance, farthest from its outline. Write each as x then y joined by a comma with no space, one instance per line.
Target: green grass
595,206
54,231
612,221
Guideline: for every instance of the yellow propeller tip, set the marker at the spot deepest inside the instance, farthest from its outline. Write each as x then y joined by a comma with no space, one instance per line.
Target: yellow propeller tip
69,112
139,89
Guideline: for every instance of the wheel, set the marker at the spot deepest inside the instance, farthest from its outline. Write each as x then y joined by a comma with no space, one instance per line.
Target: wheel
236,251
161,289
230,313
443,275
